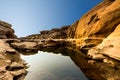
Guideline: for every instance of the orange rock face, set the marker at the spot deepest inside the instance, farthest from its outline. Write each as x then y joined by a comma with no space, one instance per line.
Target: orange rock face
110,45
100,27
98,23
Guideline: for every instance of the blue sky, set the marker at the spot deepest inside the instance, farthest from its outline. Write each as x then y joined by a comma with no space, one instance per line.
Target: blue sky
31,16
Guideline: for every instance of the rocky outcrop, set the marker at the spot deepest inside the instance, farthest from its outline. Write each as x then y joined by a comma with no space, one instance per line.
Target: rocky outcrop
109,47
25,47
6,31
100,27
12,67
71,30
55,33
96,24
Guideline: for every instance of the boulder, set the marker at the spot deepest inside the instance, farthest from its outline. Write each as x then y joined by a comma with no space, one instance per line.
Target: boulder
44,32
6,31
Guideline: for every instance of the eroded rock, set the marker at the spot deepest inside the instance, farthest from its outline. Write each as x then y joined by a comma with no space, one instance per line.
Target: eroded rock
109,50
24,46
55,33
100,27
6,31
110,46
96,24
11,65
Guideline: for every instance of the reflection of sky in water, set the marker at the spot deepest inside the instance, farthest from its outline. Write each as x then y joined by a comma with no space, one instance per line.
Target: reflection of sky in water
48,66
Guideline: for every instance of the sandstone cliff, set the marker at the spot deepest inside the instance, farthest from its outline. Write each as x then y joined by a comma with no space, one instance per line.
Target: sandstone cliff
6,31
110,45
96,24
100,27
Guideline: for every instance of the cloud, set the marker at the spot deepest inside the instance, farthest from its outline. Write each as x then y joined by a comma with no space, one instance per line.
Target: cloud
41,74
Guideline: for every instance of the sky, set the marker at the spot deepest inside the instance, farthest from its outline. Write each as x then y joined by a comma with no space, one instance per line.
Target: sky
31,16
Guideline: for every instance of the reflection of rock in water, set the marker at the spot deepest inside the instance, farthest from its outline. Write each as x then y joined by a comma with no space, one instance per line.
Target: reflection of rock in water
12,67
79,59
92,68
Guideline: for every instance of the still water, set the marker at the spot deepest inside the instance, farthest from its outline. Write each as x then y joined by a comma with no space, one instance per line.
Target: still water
50,66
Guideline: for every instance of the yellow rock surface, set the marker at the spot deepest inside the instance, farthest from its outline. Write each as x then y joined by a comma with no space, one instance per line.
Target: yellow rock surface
110,46
97,24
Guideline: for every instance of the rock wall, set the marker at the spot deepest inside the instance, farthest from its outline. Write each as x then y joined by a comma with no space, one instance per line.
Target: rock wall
96,24
6,31
100,28
107,53
109,47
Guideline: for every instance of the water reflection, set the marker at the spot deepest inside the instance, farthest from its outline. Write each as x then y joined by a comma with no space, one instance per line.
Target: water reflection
49,66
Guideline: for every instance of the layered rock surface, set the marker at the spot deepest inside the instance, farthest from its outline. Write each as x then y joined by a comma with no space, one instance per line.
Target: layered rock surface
6,31
99,24
96,24
108,53
100,27
12,67
55,33
110,46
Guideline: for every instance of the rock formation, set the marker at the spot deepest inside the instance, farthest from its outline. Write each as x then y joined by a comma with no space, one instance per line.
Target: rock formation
97,32
12,67
55,33
6,31
110,45
96,24
110,48
100,27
